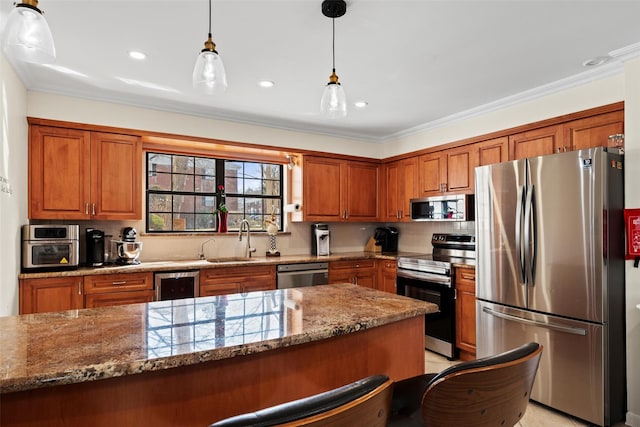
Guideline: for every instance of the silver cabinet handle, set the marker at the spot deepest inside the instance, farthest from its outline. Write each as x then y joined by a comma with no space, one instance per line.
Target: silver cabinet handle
79,288
86,208
122,282
93,209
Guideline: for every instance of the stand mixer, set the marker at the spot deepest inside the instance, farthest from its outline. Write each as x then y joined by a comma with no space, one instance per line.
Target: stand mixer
128,249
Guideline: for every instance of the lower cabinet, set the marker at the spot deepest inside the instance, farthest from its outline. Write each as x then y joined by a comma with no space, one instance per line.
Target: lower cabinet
465,283
232,280
118,289
359,272
50,294
387,276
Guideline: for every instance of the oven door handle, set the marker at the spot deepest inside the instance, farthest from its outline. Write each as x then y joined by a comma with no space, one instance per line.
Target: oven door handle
427,277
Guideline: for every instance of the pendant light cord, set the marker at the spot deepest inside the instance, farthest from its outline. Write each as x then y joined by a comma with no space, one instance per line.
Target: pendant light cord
333,44
209,18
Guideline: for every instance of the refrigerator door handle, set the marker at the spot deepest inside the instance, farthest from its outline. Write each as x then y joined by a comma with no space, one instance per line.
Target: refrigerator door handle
519,246
530,234
552,326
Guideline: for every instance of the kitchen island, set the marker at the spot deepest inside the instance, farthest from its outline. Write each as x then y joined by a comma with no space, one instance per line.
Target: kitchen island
194,361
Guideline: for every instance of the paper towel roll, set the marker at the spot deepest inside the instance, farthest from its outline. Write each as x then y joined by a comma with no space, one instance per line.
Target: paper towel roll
292,207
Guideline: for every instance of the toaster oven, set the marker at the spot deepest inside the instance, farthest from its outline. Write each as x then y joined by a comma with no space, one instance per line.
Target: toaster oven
51,247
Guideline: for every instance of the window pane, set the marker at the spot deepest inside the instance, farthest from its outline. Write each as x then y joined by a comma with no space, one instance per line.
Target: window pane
271,171
205,184
252,186
205,166
271,188
252,170
205,222
159,181
159,222
182,182
183,203
206,204
183,164
159,203
235,204
158,163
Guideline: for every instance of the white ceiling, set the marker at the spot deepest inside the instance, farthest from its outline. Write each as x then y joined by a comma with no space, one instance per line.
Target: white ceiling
415,62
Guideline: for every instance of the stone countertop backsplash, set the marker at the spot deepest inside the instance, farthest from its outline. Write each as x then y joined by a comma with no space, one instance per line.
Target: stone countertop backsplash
130,339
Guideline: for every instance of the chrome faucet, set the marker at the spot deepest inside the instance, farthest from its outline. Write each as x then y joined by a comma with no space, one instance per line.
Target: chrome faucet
201,254
248,248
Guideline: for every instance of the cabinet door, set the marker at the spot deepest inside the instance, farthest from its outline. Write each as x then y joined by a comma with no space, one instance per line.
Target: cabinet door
116,163
408,186
466,313
231,280
360,186
537,142
459,169
432,170
593,131
50,294
118,298
392,198
387,276
59,173
367,278
322,189
493,151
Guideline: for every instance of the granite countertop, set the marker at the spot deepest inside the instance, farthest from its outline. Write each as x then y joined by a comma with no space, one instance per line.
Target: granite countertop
170,265
41,350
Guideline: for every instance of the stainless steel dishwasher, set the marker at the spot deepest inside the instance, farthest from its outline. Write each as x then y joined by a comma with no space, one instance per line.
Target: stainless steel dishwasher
305,274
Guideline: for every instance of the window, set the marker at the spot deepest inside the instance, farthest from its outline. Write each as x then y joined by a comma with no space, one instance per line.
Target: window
183,193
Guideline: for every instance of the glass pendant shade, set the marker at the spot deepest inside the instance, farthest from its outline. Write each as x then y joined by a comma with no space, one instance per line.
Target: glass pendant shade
27,36
334,101
209,74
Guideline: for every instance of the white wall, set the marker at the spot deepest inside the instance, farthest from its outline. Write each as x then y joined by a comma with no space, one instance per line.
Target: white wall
13,183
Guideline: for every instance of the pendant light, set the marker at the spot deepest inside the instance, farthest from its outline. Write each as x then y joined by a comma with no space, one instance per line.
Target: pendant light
209,74
27,36
334,101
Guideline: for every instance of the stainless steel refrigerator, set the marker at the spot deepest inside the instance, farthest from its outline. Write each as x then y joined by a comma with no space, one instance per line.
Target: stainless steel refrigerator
550,269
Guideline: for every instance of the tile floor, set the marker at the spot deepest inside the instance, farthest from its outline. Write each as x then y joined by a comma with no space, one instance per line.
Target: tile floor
536,416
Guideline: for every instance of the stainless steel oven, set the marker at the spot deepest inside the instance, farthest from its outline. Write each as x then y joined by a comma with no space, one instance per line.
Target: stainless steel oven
50,247
430,278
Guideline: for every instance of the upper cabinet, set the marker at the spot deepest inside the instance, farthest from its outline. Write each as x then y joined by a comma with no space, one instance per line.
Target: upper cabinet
401,180
536,142
592,131
79,174
447,171
492,151
336,190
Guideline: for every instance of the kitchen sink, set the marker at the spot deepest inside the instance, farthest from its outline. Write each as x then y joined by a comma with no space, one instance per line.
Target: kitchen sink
229,259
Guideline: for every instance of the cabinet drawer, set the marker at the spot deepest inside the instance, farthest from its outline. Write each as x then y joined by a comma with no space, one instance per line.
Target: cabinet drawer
388,266
118,282
354,264
118,298
466,276
237,274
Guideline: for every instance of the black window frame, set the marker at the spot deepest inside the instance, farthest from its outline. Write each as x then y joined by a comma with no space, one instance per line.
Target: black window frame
219,180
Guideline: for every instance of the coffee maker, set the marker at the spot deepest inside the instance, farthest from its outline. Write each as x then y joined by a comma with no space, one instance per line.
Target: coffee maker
95,247
387,239
320,239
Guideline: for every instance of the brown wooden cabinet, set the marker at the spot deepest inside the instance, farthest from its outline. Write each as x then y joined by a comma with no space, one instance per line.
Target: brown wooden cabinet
401,183
338,190
492,151
447,171
50,294
536,142
465,282
118,289
78,174
592,131
387,276
231,280
359,272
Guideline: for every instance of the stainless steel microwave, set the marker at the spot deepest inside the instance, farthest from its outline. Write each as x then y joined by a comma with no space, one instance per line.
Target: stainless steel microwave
457,207
52,247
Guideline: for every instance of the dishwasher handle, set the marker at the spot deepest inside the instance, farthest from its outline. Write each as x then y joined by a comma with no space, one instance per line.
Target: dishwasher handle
315,267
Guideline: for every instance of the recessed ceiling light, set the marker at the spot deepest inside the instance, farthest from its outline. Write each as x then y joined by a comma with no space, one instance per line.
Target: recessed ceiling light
137,55
598,60
361,104
266,83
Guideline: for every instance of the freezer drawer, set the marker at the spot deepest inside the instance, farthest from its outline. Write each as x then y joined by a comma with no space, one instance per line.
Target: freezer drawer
571,377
